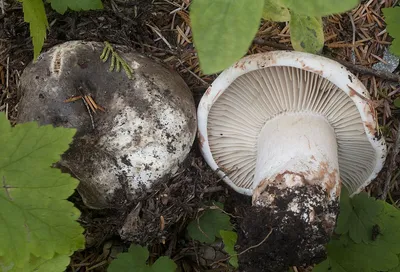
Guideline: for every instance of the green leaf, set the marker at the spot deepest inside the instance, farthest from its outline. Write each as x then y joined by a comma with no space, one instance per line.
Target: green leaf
164,264
396,102
396,269
275,11
57,263
319,7
359,249
223,30
61,6
358,216
135,260
388,223
35,15
356,258
306,33
392,19
35,217
229,238
209,224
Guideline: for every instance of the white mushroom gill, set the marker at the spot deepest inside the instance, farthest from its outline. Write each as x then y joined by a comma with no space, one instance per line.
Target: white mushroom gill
283,119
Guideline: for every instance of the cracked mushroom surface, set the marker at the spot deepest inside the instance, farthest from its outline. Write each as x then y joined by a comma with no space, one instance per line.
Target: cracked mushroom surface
130,132
280,126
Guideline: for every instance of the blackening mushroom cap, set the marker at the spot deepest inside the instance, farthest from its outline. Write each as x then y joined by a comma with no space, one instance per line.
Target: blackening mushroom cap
292,117
146,131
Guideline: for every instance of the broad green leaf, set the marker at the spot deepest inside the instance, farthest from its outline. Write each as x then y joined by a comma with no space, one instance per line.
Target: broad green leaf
208,226
358,248
223,30
57,264
35,15
229,238
35,217
396,102
388,223
360,257
357,217
135,261
164,264
392,19
396,269
346,210
328,266
306,33
61,6
275,11
320,7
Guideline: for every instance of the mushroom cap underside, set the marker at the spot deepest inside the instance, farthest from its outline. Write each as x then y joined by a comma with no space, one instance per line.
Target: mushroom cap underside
261,87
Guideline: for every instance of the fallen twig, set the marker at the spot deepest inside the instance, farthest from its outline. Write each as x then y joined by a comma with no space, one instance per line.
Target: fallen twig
392,163
356,68
247,249
353,54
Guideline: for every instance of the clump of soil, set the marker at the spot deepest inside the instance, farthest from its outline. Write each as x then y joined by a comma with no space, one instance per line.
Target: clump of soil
275,237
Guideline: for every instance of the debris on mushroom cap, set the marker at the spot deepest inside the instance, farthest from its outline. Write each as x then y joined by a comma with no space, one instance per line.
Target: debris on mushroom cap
130,132
281,126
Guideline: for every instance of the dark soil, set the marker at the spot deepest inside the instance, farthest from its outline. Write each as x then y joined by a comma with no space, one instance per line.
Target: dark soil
280,238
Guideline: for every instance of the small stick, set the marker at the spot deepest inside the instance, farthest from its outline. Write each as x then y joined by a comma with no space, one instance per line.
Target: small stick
247,249
259,244
72,99
351,66
162,223
353,56
392,164
193,74
2,7
97,107
88,109
86,97
195,252
7,71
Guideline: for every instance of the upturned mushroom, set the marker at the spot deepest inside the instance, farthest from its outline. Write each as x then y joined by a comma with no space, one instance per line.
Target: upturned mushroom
288,129
135,118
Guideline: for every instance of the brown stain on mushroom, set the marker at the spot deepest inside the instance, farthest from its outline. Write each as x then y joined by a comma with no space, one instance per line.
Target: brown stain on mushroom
217,95
308,68
322,177
369,109
208,91
56,62
353,93
371,127
201,139
338,188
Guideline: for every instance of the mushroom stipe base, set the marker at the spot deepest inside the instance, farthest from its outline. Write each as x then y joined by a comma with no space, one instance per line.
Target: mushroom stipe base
293,241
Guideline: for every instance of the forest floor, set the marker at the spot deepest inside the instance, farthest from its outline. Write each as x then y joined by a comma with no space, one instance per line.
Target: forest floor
160,29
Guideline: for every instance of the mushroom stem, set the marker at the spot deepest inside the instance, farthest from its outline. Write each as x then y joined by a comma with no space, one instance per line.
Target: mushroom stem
296,149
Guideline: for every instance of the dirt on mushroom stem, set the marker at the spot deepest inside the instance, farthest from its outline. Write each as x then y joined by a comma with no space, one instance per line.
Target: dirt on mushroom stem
301,221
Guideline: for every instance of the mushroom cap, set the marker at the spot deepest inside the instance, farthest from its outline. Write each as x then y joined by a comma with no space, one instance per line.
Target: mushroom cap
260,87
146,131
